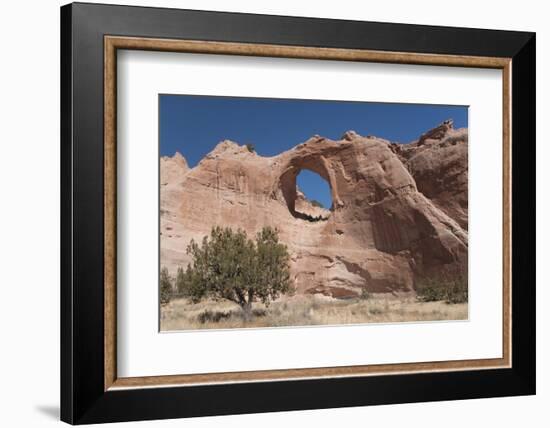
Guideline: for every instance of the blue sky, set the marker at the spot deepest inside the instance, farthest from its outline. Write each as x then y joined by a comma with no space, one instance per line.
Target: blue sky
194,124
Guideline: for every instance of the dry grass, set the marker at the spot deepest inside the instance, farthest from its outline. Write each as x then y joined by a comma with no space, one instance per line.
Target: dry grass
180,314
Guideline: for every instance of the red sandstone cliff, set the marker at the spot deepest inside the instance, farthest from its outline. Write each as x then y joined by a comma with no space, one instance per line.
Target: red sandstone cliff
399,211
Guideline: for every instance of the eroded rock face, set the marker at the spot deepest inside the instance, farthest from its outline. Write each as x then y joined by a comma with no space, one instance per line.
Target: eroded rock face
399,212
440,169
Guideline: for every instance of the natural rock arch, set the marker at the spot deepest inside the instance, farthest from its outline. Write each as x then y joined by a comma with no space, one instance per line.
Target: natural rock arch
315,161
291,195
383,232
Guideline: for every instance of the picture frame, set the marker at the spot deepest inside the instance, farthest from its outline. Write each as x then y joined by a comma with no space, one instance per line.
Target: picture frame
91,390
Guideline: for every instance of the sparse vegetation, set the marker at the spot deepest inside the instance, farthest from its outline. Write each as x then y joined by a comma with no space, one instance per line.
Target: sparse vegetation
182,314
229,266
449,290
365,295
213,316
166,289
180,282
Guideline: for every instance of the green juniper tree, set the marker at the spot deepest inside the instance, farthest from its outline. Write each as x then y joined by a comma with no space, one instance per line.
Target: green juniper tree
228,265
165,286
180,282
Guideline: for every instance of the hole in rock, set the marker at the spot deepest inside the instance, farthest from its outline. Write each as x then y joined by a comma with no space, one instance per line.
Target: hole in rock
313,197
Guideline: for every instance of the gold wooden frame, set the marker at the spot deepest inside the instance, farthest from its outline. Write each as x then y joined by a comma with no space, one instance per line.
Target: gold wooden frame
113,43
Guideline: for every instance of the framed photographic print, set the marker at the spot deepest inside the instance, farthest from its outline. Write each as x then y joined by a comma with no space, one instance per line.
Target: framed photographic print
266,213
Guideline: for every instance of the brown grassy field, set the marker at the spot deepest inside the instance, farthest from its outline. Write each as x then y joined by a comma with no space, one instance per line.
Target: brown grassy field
180,314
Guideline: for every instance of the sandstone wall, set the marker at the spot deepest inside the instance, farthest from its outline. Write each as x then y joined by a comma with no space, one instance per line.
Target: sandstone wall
399,211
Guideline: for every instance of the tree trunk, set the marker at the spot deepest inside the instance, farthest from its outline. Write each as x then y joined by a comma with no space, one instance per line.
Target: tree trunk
247,310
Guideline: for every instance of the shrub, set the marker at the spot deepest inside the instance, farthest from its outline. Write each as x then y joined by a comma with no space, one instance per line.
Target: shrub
450,290
165,286
180,282
375,311
259,312
457,293
211,316
365,295
228,265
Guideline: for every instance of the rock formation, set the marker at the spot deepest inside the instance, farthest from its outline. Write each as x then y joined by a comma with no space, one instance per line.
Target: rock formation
399,211
438,162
